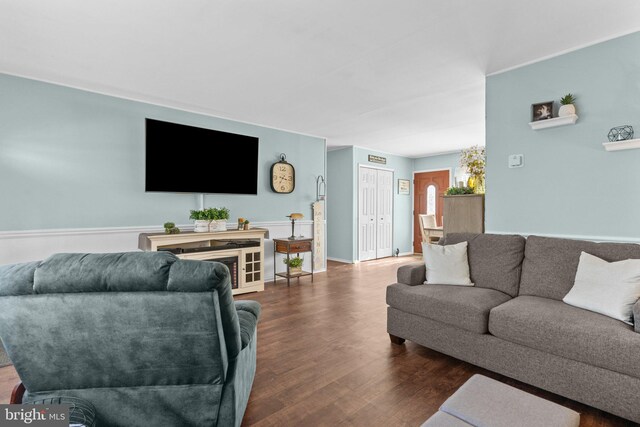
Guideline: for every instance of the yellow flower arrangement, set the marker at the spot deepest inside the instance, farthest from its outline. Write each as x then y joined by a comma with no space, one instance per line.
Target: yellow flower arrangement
473,159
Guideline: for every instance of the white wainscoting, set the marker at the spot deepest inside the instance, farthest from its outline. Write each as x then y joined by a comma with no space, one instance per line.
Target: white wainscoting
34,245
593,238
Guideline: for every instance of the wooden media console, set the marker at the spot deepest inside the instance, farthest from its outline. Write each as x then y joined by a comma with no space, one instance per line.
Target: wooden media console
242,251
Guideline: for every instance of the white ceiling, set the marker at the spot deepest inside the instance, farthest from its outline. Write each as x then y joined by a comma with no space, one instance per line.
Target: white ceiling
405,77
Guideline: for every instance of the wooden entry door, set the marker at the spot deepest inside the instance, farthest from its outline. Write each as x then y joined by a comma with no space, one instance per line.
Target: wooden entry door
428,189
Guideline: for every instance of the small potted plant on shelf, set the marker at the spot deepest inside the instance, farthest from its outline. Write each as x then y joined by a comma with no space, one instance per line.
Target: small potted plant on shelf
170,228
295,265
247,224
218,217
567,108
201,220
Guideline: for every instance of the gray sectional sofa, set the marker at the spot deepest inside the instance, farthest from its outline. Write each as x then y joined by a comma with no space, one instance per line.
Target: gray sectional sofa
513,321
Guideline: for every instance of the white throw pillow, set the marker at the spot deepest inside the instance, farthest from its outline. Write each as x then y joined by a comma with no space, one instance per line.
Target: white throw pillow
447,265
609,288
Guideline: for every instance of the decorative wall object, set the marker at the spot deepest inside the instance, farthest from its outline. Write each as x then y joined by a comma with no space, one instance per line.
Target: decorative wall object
318,235
404,186
541,111
621,133
321,188
283,176
377,159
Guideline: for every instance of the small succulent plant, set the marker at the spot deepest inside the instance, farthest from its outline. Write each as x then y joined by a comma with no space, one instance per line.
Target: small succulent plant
567,99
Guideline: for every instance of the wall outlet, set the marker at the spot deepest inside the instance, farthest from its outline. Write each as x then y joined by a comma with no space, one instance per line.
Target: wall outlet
516,160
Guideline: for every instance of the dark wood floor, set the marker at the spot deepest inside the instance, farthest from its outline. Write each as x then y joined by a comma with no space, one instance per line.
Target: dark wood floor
324,358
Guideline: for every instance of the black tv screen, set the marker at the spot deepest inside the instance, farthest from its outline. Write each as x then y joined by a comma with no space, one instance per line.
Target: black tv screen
188,159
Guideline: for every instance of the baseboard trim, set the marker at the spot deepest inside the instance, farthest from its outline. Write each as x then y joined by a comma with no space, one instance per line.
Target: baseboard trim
608,239
344,261
18,246
405,253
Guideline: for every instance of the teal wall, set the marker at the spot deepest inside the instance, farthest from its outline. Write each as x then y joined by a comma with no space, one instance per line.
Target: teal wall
340,204
443,161
73,159
569,185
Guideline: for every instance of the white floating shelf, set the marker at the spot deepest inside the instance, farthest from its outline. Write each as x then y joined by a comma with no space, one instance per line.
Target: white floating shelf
629,144
556,121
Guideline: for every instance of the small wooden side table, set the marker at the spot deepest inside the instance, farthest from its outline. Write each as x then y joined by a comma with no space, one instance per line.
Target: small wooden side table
288,247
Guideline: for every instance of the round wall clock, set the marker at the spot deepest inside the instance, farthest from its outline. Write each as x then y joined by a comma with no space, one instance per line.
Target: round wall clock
283,176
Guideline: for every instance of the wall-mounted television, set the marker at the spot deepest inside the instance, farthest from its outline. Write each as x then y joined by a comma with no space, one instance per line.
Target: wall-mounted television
188,159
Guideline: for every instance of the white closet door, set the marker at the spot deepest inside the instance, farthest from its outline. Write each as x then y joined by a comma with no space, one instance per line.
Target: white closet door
367,242
384,214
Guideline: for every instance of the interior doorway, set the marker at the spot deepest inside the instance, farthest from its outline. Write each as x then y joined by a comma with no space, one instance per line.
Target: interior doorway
375,213
428,189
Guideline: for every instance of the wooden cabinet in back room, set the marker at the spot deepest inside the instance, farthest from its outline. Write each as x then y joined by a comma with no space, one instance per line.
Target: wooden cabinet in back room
463,214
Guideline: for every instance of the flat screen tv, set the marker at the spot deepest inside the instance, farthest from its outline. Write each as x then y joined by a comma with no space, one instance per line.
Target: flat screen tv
188,159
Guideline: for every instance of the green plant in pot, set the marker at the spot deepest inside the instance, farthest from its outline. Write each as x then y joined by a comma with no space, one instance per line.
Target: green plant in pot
201,220
295,265
458,191
567,108
218,217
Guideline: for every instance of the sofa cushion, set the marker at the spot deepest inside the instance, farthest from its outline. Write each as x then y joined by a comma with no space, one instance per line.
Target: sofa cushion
566,331
17,279
550,264
495,260
609,288
446,264
465,307
106,272
248,315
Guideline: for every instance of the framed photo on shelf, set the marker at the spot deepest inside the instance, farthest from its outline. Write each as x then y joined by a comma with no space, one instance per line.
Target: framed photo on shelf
404,186
541,111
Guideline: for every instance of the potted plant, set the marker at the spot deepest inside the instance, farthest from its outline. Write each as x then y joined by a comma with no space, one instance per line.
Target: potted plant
457,191
567,108
294,264
218,217
170,228
247,224
201,220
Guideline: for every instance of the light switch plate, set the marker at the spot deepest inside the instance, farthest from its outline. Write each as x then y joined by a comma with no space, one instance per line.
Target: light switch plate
516,160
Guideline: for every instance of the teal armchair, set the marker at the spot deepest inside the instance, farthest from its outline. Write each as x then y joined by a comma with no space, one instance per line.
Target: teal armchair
147,338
